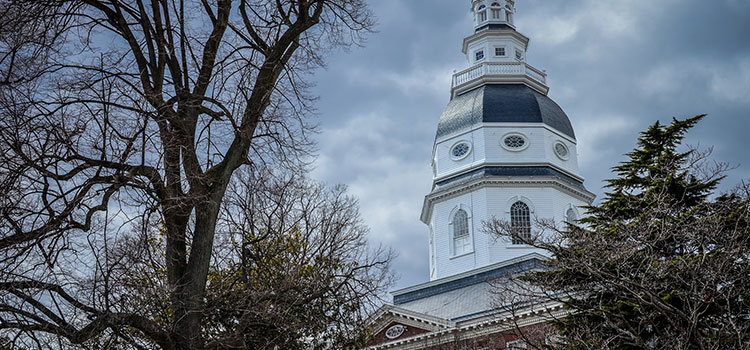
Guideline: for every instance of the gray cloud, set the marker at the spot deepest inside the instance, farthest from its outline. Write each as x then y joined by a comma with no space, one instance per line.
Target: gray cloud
614,66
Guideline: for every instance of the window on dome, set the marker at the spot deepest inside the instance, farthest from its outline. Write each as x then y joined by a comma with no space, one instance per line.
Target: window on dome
461,237
460,150
562,151
520,222
500,51
519,55
479,55
514,141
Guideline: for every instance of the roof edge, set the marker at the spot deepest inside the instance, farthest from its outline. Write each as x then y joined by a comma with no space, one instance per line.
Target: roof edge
468,278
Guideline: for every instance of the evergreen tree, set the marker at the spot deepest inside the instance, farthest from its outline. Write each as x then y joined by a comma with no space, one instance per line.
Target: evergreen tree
661,263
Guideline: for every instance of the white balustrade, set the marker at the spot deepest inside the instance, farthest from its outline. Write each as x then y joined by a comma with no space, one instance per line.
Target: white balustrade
539,76
497,69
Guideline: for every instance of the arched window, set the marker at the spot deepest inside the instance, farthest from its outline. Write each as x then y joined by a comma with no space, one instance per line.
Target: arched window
495,8
482,13
520,221
571,217
461,238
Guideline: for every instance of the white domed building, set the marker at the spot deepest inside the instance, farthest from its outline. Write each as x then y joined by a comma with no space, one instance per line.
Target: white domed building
503,149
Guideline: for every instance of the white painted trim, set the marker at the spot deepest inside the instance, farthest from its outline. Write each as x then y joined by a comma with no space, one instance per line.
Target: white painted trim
451,231
463,254
480,164
525,138
387,314
583,195
514,35
455,144
528,202
525,79
494,50
482,326
567,150
497,125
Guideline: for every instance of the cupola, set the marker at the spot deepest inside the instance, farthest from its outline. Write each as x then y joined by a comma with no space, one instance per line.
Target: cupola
503,149
492,13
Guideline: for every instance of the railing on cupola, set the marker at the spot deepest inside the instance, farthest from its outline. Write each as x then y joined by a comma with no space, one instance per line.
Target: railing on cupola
499,72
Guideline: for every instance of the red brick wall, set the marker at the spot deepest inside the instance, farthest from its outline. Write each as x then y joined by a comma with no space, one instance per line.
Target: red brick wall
410,331
535,334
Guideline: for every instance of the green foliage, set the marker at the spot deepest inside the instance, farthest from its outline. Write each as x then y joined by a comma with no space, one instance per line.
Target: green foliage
659,264
654,175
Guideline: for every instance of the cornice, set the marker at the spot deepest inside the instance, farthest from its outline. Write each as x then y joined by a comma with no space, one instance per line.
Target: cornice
490,125
482,164
469,273
484,182
408,317
482,326
501,79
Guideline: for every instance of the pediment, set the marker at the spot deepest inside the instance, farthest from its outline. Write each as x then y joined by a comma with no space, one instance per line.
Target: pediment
392,323
395,331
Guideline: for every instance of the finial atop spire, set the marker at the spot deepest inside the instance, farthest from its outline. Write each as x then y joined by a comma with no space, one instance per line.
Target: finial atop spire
487,12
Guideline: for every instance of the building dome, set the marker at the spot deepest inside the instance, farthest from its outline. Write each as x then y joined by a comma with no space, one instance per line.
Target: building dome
502,103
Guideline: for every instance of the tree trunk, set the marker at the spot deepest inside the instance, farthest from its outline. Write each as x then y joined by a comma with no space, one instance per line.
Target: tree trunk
188,326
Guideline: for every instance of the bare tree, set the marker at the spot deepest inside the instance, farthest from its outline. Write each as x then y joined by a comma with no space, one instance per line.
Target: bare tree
292,268
123,112
661,263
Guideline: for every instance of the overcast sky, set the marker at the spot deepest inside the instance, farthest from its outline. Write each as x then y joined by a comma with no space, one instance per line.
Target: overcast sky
614,66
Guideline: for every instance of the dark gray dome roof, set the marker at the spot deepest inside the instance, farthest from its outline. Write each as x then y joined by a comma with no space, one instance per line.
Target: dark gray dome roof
504,103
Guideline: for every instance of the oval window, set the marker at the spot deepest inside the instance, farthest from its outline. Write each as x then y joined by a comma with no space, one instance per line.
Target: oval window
460,150
515,142
562,151
395,331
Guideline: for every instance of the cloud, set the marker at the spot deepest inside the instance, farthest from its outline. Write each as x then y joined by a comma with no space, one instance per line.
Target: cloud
554,31
731,83
420,80
724,81
615,67
596,137
389,187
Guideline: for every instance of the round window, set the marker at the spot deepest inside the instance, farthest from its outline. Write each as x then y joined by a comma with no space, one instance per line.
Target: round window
562,151
395,331
460,150
515,142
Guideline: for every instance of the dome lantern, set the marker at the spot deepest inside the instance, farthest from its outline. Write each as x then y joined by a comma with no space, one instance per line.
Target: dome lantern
492,13
496,52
